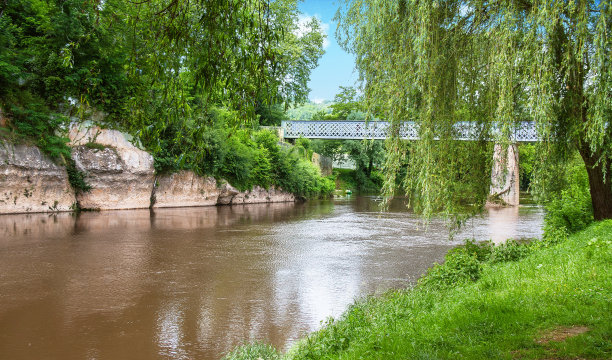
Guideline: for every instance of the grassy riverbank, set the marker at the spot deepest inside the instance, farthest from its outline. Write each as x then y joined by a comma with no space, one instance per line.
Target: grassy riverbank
548,300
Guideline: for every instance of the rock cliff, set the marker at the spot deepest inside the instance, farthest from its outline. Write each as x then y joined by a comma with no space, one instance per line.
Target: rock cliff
185,188
121,175
31,182
260,195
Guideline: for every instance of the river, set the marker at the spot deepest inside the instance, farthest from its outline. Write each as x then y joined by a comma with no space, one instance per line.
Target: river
192,283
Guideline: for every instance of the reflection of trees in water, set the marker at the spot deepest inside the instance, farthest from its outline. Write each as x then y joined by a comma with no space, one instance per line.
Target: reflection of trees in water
374,204
40,226
119,278
223,216
23,226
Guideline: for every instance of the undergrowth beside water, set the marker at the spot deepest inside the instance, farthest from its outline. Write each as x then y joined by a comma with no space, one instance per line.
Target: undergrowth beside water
484,302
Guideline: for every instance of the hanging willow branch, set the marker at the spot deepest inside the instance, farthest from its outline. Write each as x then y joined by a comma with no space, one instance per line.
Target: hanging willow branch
441,62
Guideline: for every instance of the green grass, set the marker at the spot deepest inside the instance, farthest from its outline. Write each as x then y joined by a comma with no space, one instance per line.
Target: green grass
501,303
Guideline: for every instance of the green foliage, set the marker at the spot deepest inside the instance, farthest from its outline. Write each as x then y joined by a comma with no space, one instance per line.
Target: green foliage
511,250
95,146
301,177
368,156
309,111
37,125
76,178
262,168
345,179
347,104
482,250
570,207
459,266
304,147
527,158
270,115
157,70
494,64
255,351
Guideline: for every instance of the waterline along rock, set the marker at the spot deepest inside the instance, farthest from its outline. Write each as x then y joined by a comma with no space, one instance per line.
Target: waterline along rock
260,195
121,176
227,194
184,188
31,182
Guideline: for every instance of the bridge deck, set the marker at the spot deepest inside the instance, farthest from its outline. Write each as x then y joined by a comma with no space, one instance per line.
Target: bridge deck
525,131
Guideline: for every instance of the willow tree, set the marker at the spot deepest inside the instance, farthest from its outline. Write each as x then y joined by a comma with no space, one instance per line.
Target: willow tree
489,62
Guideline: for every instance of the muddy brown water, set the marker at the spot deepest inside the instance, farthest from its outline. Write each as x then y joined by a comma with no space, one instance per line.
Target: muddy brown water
192,283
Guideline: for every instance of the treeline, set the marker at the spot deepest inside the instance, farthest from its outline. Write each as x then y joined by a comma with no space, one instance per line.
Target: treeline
190,80
367,155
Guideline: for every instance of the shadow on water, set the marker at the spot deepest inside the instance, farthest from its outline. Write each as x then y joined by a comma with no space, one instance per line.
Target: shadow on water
190,283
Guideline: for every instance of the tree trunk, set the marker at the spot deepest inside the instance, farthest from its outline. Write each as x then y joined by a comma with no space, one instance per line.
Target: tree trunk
600,185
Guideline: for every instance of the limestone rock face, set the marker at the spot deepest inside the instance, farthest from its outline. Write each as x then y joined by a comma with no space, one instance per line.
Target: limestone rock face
120,174
31,182
505,176
81,135
260,195
185,189
226,194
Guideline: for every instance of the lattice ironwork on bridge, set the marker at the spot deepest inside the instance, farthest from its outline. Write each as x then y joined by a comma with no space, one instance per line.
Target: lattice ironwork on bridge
524,131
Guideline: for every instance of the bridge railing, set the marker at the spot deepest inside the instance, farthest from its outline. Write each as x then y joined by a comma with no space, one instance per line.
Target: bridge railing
524,131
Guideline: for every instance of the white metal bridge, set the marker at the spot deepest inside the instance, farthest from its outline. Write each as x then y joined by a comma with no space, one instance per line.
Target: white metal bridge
524,131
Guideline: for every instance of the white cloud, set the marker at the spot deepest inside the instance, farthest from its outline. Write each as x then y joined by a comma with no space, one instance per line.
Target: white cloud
304,19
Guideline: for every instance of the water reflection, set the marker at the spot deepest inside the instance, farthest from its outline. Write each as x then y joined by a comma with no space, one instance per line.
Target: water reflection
195,282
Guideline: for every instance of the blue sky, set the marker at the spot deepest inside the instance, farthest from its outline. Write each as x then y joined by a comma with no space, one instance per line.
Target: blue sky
336,67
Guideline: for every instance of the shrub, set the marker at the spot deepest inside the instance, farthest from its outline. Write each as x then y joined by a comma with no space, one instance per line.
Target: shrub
76,177
572,208
238,163
304,147
481,250
511,250
262,169
459,267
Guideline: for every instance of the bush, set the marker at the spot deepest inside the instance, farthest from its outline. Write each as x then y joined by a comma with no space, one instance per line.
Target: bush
238,163
304,147
481,250
262,168
459,267
571,209
301,177
511,250
464,264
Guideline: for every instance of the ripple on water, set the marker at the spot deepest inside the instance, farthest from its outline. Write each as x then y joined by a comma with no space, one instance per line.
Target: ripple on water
195,282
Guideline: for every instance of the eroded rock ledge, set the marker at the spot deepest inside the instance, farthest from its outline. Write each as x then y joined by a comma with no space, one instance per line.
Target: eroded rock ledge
187,189
31,182
121,176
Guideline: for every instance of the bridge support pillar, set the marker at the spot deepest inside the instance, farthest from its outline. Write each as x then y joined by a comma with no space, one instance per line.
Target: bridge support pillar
505,176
